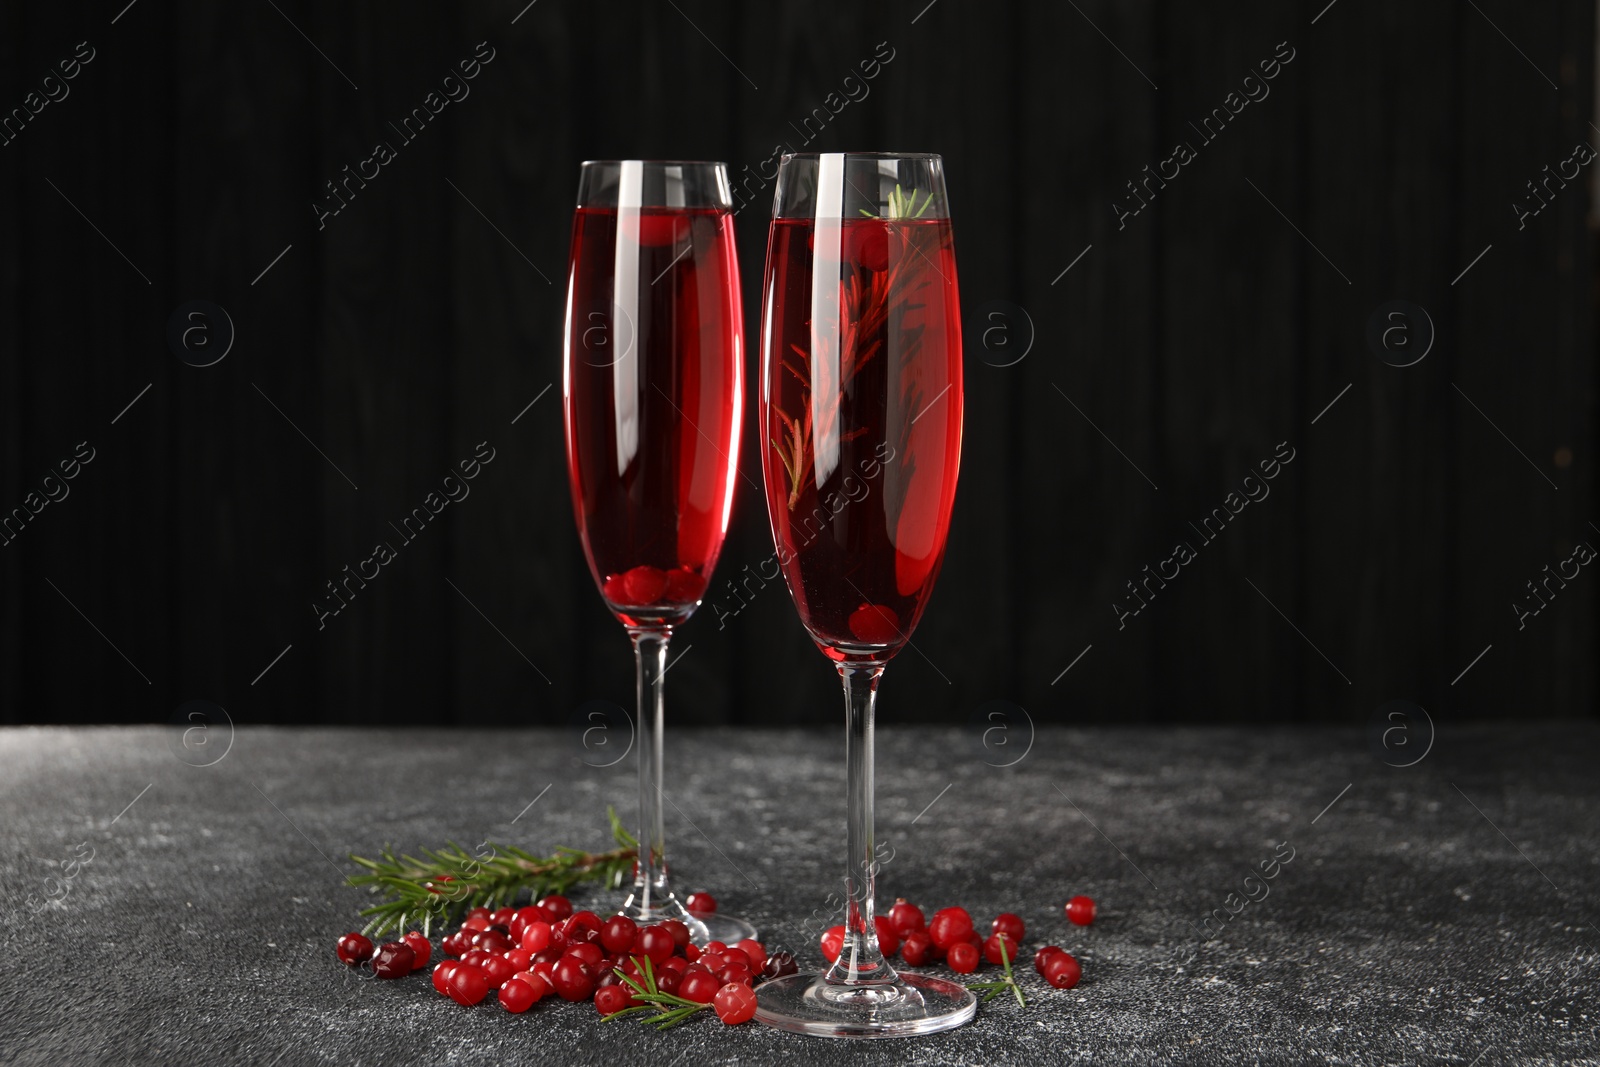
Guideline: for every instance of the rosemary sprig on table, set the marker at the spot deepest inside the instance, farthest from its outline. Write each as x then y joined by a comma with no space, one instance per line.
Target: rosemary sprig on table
670,1009
994,989
446,882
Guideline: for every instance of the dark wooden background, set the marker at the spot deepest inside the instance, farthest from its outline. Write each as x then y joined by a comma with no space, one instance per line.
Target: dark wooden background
1195,339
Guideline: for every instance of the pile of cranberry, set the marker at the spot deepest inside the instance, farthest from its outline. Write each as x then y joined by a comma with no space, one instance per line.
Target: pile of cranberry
951,937
529,953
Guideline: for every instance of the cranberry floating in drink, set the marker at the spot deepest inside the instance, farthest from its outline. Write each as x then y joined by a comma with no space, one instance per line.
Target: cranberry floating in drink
653,400
860,426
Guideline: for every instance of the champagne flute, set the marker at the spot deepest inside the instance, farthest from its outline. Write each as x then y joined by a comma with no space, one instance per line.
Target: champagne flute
653,399
861,439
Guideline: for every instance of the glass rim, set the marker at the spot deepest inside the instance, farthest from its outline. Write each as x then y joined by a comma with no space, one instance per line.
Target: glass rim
656,162
862,155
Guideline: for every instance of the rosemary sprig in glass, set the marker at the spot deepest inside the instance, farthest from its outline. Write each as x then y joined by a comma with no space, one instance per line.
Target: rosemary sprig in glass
446,882
902,206
868,299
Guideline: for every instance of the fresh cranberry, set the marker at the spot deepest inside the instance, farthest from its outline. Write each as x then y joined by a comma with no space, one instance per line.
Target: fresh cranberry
668,982
684,585
548,955
517,996
676,965
572,979
993,946
558,906
735,1003
475,923
701,903
520,958
888,936
524,916
498,970
780,964
656,943
873,243
492,941
916,948
950,926
478,912
578,935
678,930
1080,911
1009,924
441,976
963,958
1041,959
611,999
536,936
1062,971
735,971
832,942
698,985
540,985
875,624
658,231
643,585
354,948
589,954
467,984
476,956
618,933
691,951
753,949
583,920
501,916
906,918
456,944
420,947
394,960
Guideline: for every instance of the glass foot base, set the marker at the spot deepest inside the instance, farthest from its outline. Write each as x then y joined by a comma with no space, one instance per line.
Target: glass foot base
914,1004
728,929
704,927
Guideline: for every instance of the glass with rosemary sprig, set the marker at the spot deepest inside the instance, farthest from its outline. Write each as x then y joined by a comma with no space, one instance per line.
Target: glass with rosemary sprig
860,425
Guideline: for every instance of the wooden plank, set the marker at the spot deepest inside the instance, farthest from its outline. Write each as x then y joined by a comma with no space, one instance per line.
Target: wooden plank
517,553
15,427
1084,434
244,530
379,398
99,234
1526,360
1377,464
1225,338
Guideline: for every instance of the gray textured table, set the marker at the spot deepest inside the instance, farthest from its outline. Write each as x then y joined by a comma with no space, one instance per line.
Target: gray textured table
1438,913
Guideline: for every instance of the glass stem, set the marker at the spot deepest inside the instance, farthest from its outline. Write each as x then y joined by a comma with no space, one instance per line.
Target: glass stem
650,887
860,961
